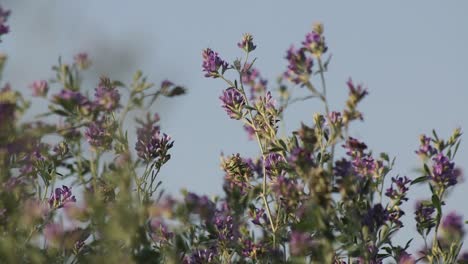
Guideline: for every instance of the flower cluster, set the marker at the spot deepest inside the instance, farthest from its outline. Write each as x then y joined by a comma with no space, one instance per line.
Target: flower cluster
61,196
152,145
298,199
4,28
233,102
212,63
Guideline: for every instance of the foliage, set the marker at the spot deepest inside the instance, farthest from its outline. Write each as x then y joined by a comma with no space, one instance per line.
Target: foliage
74,190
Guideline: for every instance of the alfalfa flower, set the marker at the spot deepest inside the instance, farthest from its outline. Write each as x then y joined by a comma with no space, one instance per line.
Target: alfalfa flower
82,60
107,97
315,41
4,28
299,66
99,134
40,88
247,43
61,196
152,145
233,102
443,171
274,163
212,63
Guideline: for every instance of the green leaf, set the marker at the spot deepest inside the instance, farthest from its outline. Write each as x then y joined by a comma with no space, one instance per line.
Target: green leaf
384,156
419,180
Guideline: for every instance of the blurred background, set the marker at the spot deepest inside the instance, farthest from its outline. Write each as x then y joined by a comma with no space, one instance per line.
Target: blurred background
411,55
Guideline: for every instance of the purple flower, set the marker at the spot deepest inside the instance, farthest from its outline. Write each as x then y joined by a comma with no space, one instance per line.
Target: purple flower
69,100
288,191
354,147
54,234
335,117
82,60
342,168
425,149
152,145
61,196
252,250
443,171
301,157
398,193
356,93
233,102
300,243
252,78
7,106
202,256
423,215
453,224
257,215
273,163
98,135
463,258
226,229
107,97
250,132
4,14
201,205
39,88
315,42
375,217
212,63
247,43
299,66
159,231
406,258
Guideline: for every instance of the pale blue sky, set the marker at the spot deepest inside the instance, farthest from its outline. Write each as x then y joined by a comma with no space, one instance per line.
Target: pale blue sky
410,54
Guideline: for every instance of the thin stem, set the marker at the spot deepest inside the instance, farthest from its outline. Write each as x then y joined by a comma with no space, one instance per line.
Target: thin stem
263,194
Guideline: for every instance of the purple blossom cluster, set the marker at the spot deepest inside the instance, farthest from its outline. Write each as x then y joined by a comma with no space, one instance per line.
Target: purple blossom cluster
98,135
298,200
233,102
315,41
443,171
152,145
247,43
252,78
212,63
40,88
61,196
363,163
4,28
274,163
107,97
299,66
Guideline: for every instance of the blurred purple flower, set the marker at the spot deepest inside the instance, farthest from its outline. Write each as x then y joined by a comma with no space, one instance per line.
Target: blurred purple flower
159,231
273,164
4,14
98,135
300,243
82,60
315,42
202,256
299,66
453,224
425,149
107,97
40,88
247,43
